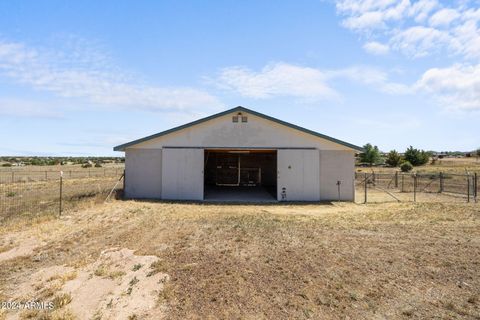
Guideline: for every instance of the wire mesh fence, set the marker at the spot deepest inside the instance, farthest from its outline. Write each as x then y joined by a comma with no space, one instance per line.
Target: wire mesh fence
55,193
12,175
398,186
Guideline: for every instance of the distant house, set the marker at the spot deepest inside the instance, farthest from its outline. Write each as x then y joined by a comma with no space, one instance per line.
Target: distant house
239,154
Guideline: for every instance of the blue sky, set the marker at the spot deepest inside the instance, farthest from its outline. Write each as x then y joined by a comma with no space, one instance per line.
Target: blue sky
79,77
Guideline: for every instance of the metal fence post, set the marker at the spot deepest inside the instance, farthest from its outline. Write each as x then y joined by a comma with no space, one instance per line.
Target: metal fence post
396,179
414,188
13,176
441,182
61,189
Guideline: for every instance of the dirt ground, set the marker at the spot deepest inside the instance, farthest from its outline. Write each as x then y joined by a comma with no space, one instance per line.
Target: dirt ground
154,260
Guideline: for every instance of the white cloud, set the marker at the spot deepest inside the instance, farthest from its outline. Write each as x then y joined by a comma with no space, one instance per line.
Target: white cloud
311,84
420,41
376,48
277,79
85,74
371,77
443,17
456,87
416,28
28,108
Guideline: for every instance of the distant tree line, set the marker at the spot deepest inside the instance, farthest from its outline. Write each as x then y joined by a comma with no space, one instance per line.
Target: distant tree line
50,161
411,157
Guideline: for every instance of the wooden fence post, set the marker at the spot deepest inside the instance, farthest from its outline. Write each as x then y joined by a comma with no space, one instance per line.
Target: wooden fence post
46,177
13,176
475,185
468,188
61,187
366,187
441,182
415,188
403,182
396,179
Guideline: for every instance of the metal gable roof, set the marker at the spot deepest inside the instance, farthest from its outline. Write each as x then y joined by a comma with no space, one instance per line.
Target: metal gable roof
237,109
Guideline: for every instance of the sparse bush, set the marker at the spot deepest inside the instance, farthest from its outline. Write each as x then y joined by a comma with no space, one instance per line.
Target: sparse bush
393,158
8,164
416,157
98,165
86,165
406,166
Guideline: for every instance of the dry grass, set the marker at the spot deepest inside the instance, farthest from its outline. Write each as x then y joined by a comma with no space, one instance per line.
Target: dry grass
327,261
446,165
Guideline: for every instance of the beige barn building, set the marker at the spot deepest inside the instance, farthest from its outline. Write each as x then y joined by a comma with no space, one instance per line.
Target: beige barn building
239,155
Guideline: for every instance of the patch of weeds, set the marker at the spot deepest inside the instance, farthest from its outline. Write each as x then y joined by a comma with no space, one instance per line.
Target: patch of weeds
64,277
157,266
166,294
101,271
11,194
132,317
61,300
134,281
115,274
137,267
408,312
45,315
49,291
110,304
129,290
98,315
472,299
353,296
104,272
307,313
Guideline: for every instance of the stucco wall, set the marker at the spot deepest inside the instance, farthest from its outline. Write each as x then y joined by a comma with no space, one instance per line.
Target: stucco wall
143,173
337,166
257,132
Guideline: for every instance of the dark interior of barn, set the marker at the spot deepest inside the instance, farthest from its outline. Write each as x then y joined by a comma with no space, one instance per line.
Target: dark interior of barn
240,175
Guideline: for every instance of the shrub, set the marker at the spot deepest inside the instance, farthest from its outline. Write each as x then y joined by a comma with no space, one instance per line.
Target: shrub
98,165
406,166
393,158
416,157
86,165
8,164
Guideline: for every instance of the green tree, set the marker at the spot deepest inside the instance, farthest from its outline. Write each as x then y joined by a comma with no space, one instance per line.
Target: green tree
393,158
416,157
371,154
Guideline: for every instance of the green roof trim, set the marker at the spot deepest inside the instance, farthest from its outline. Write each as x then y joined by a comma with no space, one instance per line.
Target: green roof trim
236,109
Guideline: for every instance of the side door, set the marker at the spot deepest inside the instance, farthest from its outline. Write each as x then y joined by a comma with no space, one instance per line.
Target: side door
298,175
182,174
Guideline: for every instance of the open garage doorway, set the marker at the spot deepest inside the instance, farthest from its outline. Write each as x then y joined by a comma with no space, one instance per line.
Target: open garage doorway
240,175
